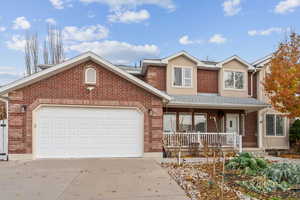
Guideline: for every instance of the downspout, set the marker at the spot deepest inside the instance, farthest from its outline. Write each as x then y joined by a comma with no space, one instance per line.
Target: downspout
5,137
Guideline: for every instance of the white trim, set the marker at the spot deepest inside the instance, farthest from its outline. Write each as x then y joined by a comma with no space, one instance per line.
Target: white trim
72,62
182,76
34,133
86,78
235,57
183,53
264,59
234,89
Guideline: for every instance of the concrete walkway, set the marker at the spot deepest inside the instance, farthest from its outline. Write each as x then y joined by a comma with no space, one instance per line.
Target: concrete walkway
87,179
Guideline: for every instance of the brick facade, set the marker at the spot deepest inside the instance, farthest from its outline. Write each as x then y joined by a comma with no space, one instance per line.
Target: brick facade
156,76
207,81
68,88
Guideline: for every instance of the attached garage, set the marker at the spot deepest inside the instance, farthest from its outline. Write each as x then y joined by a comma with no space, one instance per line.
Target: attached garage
80,132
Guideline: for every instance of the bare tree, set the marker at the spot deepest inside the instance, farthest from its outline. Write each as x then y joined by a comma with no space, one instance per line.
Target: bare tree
27,55
31,53
53,46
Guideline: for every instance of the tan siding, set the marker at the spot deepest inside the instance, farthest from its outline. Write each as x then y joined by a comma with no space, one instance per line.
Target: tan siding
184,62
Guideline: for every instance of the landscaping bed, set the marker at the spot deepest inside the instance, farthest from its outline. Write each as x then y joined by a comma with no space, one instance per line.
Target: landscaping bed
245,177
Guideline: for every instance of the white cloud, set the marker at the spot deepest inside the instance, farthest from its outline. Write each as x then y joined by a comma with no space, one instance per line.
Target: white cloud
129,16
115,51
285,6
86,33
232,7
61,4
2,29
121,4
58,4
265,32
21,23
217,39
17,42
185,40
50,21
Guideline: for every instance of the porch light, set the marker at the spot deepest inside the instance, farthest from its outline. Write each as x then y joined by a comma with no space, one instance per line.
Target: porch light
150,111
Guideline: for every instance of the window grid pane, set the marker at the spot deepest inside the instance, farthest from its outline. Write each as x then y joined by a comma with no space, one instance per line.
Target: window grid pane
169,122
270,131
177,76
185,122
239,80
229,79
200,123
279,125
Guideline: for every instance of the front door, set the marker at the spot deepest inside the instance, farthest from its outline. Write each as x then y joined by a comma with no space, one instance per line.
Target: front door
232,123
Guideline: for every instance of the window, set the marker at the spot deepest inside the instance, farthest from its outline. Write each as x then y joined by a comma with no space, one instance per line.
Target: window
234,80
200,122
182,77
274,125
185,122
90,76
169,122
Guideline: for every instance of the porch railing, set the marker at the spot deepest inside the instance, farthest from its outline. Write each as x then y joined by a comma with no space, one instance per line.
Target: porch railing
186,140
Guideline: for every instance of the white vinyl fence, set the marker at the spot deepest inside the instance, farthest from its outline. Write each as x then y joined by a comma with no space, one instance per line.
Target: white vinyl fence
3,139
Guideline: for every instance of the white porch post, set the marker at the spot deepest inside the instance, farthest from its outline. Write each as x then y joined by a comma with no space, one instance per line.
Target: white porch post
241,144
260,130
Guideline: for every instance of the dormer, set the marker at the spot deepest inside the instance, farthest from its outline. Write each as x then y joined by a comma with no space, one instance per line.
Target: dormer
233,77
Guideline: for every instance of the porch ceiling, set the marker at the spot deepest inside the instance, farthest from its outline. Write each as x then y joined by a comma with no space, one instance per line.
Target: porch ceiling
216,102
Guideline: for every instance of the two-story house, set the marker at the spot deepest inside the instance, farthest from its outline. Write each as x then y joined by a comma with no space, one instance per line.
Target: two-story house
88,107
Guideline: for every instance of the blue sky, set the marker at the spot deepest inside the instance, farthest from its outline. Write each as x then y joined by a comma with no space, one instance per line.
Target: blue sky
125,31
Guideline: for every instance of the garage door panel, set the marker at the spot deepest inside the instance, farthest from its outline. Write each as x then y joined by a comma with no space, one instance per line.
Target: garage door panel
89,132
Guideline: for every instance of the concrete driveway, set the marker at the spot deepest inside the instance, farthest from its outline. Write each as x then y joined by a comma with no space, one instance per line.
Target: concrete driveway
87,179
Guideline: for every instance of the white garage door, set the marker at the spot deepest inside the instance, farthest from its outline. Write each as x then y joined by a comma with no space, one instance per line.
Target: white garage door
70,132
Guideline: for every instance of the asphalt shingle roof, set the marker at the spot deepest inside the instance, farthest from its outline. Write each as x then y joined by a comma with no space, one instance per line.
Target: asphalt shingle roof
210,99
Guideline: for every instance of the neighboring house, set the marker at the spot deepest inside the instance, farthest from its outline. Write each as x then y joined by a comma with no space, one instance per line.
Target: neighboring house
88,107
273,125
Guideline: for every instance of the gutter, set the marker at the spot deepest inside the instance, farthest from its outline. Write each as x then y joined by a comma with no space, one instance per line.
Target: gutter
218,105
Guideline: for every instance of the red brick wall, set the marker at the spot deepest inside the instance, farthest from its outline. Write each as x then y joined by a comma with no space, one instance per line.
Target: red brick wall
68,87
156,76
207,81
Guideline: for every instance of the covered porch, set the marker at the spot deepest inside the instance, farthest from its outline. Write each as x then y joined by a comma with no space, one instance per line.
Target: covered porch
212,120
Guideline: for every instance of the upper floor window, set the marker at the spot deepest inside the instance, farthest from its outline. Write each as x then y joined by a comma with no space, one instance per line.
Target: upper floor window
90,76
234,80
182,77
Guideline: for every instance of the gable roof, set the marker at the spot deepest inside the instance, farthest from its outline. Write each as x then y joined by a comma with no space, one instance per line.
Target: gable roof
261,62
74,61
235,57
164,61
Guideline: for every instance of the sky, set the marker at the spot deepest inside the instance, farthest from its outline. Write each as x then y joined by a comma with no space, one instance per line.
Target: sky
126,31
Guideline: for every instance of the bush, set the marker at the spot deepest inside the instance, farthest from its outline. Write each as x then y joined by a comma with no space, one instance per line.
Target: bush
262,185
283,172
247,163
